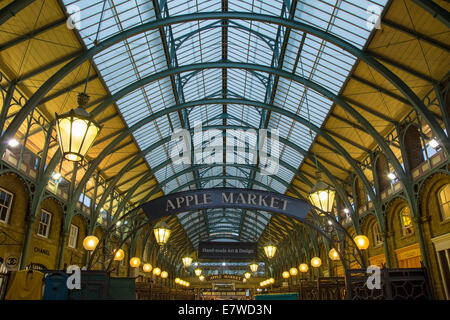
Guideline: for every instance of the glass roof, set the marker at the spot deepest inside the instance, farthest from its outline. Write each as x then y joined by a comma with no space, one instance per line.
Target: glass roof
203,42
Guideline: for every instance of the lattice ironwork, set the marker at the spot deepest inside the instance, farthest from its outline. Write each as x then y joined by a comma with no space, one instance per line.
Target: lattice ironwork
396,284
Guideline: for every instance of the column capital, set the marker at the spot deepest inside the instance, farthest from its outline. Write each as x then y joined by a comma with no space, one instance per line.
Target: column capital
421,219
387,234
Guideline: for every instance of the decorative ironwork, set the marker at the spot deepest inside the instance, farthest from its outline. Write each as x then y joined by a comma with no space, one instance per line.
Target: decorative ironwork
395,284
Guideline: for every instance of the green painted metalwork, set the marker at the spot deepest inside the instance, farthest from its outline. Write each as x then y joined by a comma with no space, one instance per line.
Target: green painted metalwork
340,190
442,105
31,34
377,137
395,80
12,9
366,186
435,10
104,153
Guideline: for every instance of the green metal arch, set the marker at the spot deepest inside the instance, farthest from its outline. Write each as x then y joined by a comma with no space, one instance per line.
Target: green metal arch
182,172
366,124
12,9
340,190
417,104
256,182
306,82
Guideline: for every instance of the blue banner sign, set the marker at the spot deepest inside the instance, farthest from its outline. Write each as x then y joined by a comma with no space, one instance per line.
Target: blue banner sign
226,198
227,250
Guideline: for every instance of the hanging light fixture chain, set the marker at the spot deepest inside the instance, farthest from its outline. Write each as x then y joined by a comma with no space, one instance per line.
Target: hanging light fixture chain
309,120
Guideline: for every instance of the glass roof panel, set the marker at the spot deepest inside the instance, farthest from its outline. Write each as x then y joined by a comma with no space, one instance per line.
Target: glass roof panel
246,84
177,7
204,46
202,84
272,7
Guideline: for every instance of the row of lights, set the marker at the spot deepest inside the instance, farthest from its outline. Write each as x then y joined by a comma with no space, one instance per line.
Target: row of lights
182,282
316,262
135,262
91,242
362,242
267,282
270,250
187,261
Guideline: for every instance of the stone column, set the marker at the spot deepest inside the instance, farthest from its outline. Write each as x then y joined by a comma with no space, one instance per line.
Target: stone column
27,241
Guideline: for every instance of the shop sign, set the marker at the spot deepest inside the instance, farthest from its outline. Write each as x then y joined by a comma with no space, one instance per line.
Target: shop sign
224,277
12,262
41,251
227,250
248,199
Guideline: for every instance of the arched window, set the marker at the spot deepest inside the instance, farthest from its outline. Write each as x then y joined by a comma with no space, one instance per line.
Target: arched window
444,201
377,238
406,222
5,205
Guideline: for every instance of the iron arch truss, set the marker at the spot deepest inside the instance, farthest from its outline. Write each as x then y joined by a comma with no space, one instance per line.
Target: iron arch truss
416,103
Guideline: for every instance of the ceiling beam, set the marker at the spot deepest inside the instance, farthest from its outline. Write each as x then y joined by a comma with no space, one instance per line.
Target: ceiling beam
12,9
32,34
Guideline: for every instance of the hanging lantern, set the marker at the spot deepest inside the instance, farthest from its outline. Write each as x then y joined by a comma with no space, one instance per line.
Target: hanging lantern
157,271
316,262
270,250
162,232
76,131
303,267
322,196
198,272
202,278
362,242
90,243
271,280
187,284
177,280
186,261
147,267
247,275
164,274
254,267
333,254
135,262
119,255
181,282
293,271
285,275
